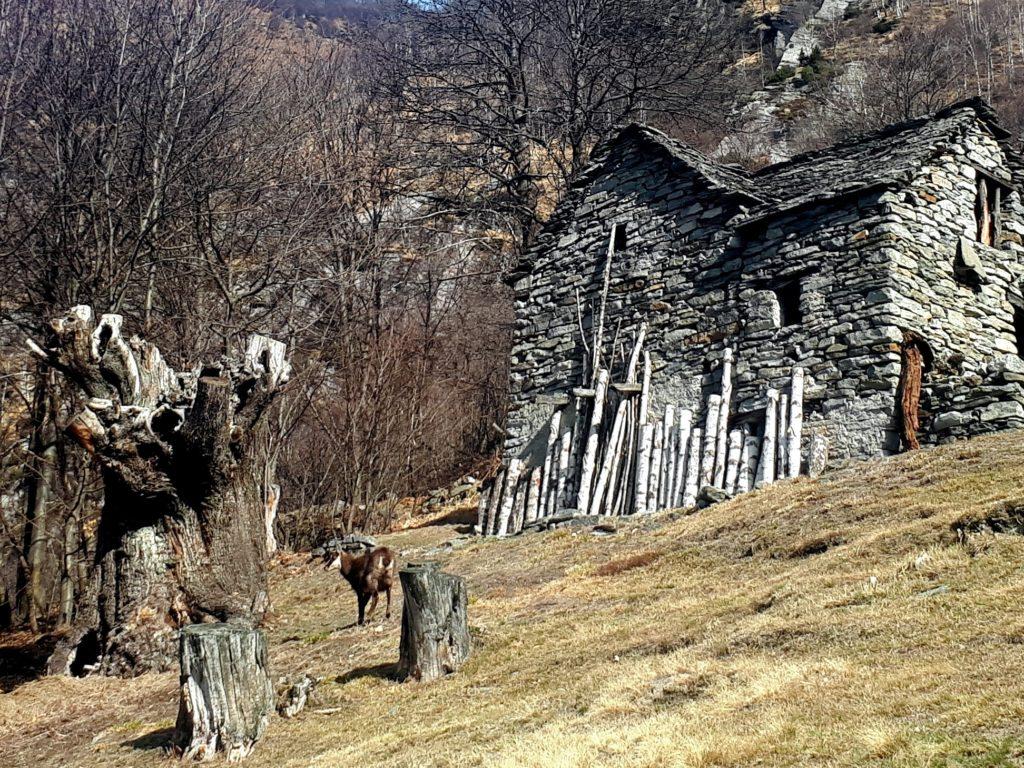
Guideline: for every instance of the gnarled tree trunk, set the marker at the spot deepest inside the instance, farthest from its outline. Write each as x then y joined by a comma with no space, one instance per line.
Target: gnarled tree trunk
182,536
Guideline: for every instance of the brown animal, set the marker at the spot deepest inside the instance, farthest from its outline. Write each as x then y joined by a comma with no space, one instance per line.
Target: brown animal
368,574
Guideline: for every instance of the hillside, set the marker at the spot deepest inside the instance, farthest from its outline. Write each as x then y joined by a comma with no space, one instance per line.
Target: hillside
870,617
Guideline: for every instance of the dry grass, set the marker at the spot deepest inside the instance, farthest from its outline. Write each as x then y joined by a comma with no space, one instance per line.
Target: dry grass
843,622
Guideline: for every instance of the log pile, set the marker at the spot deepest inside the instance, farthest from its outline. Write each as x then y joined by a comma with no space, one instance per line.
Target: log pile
611,455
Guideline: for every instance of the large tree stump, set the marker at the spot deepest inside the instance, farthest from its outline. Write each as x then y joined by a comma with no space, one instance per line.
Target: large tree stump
435,634
226,693
182,537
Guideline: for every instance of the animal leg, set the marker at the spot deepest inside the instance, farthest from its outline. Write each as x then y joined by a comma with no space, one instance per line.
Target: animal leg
387,611
362,609
373,606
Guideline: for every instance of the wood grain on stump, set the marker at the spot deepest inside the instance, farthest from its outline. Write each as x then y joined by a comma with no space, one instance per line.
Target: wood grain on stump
226,693
435,633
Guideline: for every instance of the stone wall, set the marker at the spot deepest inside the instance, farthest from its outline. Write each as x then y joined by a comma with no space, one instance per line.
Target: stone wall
871,266
703,287
974,383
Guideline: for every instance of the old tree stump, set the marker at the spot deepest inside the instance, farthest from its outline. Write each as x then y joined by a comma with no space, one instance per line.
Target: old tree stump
182,535
226,693
435,634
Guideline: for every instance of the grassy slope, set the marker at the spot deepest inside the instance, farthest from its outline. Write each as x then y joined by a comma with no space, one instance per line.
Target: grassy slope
837,622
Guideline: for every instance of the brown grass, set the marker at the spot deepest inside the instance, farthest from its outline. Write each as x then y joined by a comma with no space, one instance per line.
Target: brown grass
628,563
902,646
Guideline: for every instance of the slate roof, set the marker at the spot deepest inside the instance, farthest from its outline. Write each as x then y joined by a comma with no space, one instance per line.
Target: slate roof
884,158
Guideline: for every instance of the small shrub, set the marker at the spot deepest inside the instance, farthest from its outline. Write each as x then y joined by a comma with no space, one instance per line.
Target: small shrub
781,75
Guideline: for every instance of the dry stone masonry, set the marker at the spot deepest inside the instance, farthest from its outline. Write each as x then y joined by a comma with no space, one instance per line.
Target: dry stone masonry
683,325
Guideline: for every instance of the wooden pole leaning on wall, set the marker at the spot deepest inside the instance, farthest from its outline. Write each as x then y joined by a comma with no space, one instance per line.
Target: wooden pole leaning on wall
794,434
643,468
550,463
226,695
721,438
766,464
693,456
508,496
707,460
781,426
667,457
435,629
682,446
732,465
612,454
592,444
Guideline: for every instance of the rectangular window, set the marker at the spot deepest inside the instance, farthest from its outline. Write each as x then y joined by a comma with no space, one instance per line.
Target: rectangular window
986,211
619,238
789,303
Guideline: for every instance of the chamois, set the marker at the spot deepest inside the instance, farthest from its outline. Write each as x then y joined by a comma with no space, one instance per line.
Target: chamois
368,574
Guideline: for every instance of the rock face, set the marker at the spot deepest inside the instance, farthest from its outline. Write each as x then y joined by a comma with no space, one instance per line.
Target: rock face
827,262
808,35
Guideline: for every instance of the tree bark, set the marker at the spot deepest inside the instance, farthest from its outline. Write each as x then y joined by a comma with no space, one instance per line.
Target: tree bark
435,634
226,693
182,535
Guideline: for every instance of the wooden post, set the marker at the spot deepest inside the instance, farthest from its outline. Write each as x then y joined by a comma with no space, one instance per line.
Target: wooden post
564,452
550,462
682,444
611,455
645,390
766,465
592,444
707,461
618,483
481,508
667,458
226,693
643,468
435,633
634,356
519,502
657,447
533,495
723,420
732,466
692,468
781,423
494,504
508,496
796,421
748,464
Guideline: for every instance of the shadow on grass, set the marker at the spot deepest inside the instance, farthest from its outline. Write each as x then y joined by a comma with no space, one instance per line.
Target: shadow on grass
380,671
159,739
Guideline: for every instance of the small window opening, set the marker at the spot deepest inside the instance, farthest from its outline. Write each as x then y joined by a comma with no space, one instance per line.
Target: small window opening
789,303
986,211
1018,329
619,238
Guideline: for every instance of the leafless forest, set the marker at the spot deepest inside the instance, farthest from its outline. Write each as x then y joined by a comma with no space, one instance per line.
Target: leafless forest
354,180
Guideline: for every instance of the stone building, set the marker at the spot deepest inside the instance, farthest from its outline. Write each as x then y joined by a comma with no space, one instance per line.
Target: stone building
886,270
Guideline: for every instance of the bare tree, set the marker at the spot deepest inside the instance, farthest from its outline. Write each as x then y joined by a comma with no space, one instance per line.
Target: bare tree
510,95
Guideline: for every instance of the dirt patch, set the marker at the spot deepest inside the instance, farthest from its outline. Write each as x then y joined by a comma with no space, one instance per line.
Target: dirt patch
629,563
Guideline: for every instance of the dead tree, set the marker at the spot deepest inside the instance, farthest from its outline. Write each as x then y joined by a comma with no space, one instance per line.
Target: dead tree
435,634
226,693
181,537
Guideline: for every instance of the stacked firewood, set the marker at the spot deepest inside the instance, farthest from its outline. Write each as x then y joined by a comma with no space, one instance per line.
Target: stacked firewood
616,457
